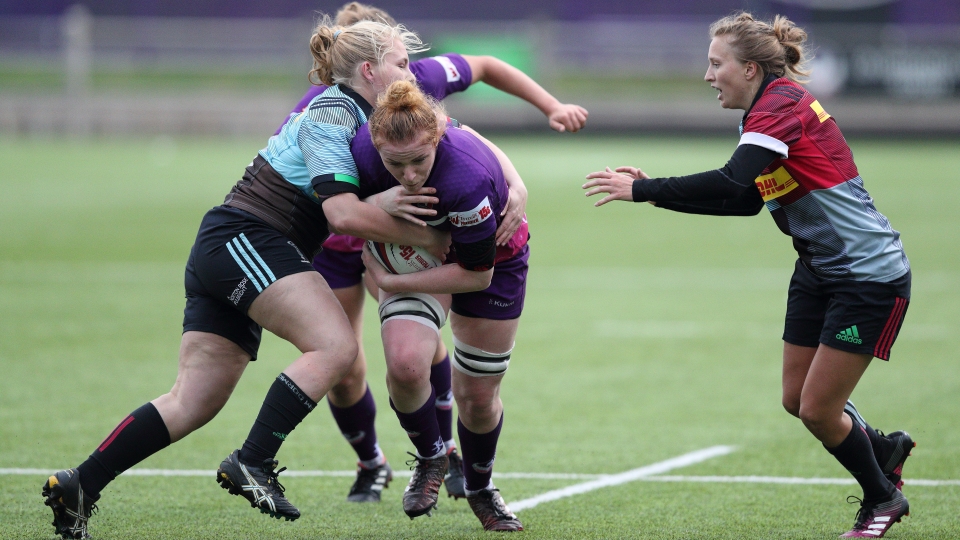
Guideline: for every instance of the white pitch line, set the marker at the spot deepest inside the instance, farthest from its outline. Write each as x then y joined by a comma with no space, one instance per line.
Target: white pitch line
288,473
521,475
623,478
788,480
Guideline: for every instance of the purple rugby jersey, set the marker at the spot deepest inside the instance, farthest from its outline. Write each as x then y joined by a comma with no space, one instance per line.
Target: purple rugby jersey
469,183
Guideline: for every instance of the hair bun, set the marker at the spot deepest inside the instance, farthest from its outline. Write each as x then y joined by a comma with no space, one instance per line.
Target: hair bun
401,96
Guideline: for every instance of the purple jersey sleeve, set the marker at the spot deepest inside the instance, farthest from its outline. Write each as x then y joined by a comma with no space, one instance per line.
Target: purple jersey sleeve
301,105
440,76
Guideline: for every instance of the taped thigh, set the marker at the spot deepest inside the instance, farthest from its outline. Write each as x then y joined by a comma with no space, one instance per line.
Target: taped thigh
417,307
478,362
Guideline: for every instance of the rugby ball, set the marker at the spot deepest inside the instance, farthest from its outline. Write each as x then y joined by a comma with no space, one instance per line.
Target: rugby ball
399,259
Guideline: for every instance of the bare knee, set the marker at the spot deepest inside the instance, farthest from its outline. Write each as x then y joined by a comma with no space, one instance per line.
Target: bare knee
478,406
407,367
352,386
341,356
791,405
815,420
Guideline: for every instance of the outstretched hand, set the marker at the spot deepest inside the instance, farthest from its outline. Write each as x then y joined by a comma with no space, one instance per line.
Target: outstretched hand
617,185
568,117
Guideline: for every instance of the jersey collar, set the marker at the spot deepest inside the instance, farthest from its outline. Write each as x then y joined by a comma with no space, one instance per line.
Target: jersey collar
763,86
362,103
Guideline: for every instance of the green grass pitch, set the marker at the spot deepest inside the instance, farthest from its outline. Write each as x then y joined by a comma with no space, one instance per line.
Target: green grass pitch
646,335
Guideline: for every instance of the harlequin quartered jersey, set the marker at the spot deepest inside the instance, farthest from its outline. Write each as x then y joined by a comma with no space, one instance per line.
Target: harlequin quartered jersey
814,191
314,146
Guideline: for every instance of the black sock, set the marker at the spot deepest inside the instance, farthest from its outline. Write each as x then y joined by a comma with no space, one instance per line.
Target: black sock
856,455
140,435
283,409
875,440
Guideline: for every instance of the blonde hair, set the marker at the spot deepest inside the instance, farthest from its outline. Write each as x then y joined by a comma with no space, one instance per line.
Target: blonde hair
776,48
338,51
355,12
404,112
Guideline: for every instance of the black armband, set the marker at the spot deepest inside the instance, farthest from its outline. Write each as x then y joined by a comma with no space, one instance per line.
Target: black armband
477,256
328,185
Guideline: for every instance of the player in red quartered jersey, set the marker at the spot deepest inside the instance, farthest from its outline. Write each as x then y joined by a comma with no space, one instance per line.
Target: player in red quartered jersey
851,285
351,401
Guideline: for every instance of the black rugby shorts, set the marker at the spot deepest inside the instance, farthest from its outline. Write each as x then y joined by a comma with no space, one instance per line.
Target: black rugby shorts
861,317
235,257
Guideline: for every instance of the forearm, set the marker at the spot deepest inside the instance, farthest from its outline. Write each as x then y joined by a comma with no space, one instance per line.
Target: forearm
346,214
445,279
511,80
730,182
743,206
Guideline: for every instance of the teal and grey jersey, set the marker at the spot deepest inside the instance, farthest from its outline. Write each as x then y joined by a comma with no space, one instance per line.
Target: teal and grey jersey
312,151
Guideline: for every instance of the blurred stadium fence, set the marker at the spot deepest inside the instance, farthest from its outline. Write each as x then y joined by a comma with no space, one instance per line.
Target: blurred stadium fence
82,75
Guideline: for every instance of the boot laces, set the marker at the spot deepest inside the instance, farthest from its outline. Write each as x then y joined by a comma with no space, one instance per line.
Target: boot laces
268,469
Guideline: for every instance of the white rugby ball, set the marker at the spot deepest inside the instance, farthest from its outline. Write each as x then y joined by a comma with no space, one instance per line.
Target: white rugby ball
399,259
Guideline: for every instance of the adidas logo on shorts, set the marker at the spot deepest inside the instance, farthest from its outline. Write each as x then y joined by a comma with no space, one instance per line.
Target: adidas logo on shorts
850,335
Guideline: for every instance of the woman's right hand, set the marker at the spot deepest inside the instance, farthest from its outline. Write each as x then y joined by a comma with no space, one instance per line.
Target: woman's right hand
440,247
399,202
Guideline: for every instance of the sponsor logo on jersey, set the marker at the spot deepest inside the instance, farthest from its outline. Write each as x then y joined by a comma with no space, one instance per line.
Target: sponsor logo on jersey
453,74
477,215
850,335
821,114
238,293
776,184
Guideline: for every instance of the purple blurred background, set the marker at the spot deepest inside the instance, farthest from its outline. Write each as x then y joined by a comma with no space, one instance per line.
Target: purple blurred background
803,11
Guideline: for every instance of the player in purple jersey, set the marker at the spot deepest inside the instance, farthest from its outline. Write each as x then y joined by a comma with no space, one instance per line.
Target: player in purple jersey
351,401
410,143
851,284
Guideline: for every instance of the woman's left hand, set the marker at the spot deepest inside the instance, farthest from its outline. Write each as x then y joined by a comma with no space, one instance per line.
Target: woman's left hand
513,213
617,185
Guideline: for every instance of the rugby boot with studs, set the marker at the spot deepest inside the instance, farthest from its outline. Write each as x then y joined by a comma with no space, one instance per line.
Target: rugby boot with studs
370,483
874,520
454,481
422,492
488,506
259,485
897,447
71,506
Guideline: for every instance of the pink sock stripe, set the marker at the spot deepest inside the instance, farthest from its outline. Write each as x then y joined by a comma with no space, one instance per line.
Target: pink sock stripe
885,343
106,443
